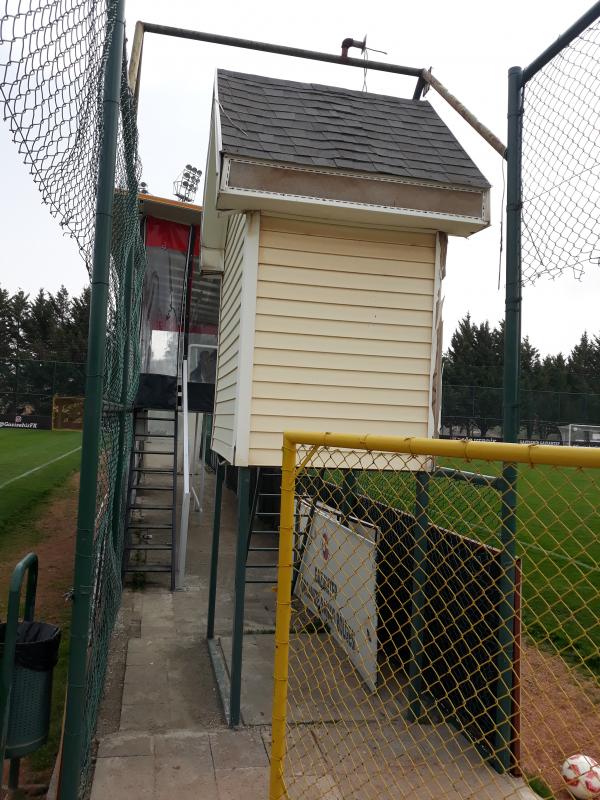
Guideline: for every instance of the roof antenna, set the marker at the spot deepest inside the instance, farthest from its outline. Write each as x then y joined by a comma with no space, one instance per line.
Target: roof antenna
348,43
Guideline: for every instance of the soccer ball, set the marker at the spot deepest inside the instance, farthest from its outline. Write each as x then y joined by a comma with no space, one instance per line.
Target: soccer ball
582,776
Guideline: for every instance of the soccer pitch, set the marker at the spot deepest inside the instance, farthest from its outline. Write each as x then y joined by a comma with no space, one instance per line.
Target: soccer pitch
32,463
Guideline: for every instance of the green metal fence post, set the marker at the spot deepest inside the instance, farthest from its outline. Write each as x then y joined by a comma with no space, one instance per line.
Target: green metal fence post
214,553
348,495
117,515
241,552
90,452
511,420
419,579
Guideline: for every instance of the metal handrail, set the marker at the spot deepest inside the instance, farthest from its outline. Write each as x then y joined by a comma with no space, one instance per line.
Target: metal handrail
28,565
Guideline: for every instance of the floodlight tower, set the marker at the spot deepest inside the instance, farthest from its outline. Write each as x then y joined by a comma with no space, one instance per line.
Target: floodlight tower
186,184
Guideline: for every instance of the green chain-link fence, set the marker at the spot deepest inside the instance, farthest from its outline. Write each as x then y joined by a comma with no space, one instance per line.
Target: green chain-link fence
66,100
560,215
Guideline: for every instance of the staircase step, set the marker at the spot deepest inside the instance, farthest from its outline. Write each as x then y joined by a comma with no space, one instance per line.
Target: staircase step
148,568
272,533
152,546
160,419
141,527
153,452
148,435
263,549
153,470
269,582
261,566
149,508
141,487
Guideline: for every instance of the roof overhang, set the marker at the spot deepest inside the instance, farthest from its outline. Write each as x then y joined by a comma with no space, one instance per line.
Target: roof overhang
214,224
348,196
235,184
171,210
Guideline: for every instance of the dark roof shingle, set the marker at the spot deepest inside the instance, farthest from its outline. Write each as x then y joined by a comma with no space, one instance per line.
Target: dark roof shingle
325,126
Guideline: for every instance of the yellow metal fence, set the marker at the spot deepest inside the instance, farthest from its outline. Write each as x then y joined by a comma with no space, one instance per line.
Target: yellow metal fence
438,619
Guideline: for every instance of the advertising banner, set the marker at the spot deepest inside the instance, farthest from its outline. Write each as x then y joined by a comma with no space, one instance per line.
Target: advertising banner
337,582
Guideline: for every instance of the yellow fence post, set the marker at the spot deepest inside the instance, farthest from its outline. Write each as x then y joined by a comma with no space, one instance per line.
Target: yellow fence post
277,789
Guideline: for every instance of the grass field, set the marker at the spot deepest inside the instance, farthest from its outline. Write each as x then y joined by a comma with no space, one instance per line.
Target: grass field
38,512
24,480
558,542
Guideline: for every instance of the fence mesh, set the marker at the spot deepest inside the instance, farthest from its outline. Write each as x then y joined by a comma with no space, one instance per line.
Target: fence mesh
52,64
444,639
561,162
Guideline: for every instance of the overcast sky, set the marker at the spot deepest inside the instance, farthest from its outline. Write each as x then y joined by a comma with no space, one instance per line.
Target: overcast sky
470,44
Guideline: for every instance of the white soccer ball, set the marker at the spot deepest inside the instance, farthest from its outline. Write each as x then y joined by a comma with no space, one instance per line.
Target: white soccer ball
582,776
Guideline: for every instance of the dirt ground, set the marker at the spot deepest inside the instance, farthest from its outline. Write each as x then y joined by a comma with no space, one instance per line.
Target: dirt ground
560,716
53,539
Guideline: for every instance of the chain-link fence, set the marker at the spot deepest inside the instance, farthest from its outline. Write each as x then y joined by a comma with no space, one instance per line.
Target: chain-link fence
438,625
476,411
61,64
561,160
28,388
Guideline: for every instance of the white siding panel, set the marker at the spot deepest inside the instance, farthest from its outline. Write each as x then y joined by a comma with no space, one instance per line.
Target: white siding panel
223,439
272,308
324,277
288,375
343,332
395,252
354,233
345,329
345,296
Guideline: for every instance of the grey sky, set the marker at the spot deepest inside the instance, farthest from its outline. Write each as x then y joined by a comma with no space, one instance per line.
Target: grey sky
469,43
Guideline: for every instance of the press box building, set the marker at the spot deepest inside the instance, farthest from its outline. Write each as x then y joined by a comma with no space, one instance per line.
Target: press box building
328,213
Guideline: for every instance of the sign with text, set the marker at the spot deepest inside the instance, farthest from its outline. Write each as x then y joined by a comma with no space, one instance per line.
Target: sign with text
25,421
337,582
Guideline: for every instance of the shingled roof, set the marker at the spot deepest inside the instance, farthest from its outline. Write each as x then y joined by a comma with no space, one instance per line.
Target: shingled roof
325,126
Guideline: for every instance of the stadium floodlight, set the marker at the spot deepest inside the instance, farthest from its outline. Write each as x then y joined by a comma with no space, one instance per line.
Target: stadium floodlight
186,184
580,435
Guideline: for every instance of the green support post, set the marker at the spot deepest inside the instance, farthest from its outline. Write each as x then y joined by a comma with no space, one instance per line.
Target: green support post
421,526
214,553
511,422
348,496
117,510
90,451
241,552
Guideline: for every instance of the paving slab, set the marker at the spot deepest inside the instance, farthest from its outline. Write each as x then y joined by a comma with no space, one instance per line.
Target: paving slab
126,744
249,783
232,749
123,778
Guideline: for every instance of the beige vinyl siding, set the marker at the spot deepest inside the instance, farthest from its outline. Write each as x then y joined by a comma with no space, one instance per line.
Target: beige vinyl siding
343,335
226,390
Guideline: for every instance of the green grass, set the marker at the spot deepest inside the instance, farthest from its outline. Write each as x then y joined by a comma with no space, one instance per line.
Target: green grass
24,450
22,506
558,542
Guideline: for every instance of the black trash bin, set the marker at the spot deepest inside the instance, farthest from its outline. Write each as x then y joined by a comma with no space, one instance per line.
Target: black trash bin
36,655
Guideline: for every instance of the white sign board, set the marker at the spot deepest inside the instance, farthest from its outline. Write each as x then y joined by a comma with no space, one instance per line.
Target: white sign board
337,582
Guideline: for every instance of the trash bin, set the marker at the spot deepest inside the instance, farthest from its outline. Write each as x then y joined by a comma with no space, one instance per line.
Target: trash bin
36,655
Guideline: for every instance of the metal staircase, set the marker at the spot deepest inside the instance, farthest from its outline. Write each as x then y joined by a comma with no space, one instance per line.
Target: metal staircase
263,535
151,523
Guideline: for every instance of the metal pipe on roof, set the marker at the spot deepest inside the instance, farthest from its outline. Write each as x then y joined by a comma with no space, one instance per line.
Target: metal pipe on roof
464,112
277,49
423,75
